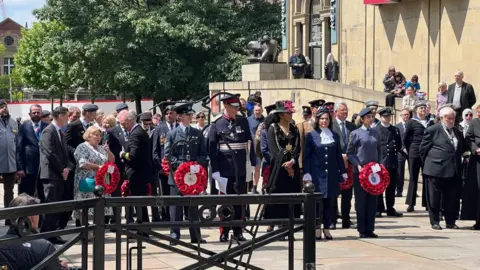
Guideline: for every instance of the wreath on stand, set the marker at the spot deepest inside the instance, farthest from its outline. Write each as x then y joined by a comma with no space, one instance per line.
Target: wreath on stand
374,178
191,178
165,166
348,183
108,176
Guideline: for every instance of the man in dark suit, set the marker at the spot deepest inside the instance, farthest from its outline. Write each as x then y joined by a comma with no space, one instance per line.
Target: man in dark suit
159,138
343,128
138,159
147,125
195,150
441,150
402,158
461,95
117,141
54,167
391,145
28,151
73,137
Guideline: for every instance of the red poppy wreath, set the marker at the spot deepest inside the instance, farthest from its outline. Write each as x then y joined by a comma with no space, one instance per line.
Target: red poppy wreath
125,189
266,175
165,166
348,183
113,178
191,178
374,178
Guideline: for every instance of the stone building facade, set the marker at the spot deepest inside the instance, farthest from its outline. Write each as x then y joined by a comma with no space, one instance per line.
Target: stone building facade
429,38
10,34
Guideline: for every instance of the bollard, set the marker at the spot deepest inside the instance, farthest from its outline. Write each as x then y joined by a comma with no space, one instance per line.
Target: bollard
309,215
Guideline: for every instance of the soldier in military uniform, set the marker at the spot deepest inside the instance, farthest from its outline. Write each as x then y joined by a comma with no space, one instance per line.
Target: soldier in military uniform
330,106
229,138
307,113
194,149
373,106
391,145
305,127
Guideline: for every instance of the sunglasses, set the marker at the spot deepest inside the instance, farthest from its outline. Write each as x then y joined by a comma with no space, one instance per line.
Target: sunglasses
201,116
468,114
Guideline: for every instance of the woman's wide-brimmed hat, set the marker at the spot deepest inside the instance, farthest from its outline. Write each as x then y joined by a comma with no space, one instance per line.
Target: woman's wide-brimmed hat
284,106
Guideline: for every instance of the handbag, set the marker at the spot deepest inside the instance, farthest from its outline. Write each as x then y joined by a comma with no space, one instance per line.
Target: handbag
87,185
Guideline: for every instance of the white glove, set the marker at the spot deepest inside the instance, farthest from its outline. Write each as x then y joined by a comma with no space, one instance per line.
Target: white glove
216,175
345,176
307,177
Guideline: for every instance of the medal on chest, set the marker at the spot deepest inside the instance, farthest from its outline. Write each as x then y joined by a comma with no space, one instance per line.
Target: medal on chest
289,147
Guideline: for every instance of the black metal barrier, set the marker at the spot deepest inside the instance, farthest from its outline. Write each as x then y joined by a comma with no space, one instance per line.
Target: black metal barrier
231,258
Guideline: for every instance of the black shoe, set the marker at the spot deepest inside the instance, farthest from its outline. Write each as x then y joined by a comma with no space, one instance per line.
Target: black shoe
475,227
328,237
452,226
201,241
378,215
363,235
394,213
318,234
333,226
399,195
223,238
240,238
410,209
436,227
372,235
78,223
57,240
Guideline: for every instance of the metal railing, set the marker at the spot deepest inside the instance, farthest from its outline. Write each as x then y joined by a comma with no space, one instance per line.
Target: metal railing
231,258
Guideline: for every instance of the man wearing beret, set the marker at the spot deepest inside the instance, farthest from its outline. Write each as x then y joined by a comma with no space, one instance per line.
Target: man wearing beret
46,117
73,138
391,145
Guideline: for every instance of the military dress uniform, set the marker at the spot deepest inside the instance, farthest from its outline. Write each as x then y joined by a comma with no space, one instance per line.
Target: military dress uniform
373,105
193,149
390,145
228,140
306,127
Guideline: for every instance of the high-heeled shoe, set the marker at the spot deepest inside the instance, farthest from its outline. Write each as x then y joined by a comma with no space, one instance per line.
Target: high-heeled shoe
318,234
328,236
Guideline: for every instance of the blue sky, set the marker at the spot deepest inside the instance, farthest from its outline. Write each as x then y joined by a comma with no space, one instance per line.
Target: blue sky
21,10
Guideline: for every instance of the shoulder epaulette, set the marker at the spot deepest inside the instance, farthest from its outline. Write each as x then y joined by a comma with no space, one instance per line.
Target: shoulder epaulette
216,118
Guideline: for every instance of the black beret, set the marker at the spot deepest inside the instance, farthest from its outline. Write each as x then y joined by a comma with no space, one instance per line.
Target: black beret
316,103
45,113
146,116
90,108
364,112
121,107
306,110
385,111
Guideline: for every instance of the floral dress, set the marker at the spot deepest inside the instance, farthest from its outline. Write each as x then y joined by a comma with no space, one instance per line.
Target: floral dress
83,154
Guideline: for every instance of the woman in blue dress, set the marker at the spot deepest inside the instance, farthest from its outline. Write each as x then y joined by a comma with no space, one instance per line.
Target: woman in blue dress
323,165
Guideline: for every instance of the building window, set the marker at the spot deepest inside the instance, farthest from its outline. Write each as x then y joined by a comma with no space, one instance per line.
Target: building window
8,65
8,40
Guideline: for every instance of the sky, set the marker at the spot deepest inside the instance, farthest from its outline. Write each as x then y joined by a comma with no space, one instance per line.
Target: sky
21,10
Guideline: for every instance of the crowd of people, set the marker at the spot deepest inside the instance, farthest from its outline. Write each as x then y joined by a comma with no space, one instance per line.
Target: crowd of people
52,152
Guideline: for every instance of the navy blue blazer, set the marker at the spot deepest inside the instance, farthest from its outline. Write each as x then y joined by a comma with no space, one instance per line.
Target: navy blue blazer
324,163
28,150
159,138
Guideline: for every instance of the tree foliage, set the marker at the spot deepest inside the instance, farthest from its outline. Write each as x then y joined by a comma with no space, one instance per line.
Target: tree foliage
143,48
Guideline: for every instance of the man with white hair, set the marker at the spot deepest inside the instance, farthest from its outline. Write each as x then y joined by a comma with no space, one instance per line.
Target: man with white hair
137,157
441,150
462,95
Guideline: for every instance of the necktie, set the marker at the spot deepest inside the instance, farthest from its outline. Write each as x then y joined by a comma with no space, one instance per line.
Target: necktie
344,132
37,131
171,126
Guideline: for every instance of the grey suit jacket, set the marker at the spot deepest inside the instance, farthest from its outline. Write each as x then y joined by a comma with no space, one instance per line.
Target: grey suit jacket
193,150
53,155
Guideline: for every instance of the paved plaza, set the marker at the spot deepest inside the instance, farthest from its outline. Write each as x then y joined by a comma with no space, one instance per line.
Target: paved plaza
403,243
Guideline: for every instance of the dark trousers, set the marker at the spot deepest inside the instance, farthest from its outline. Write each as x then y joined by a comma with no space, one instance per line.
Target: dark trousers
176,214
414,166
390,100
327,212
27,184
439,189
66,196
365,206
401,174
239,210
140,189
8,185
128,212
165,190
389,193
155,211
345,206
53,191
